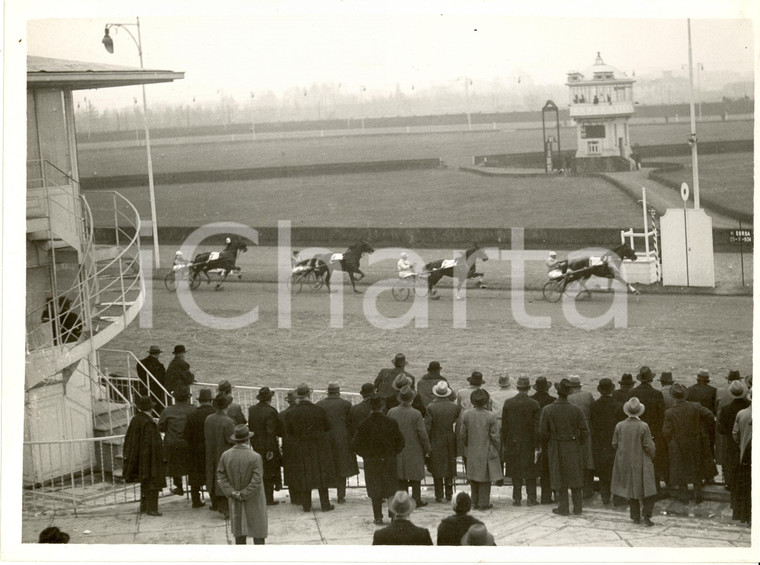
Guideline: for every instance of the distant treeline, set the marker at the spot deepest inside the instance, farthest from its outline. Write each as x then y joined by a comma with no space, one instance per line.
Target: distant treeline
728,107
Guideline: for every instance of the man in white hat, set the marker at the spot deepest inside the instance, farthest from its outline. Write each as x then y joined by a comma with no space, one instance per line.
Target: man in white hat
502,394
440,418
552,263
404,267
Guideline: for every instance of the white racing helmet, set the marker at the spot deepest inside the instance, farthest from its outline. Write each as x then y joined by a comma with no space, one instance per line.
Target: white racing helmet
404,255
552,253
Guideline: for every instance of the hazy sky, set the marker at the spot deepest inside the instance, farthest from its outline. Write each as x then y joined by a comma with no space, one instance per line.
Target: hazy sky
297,44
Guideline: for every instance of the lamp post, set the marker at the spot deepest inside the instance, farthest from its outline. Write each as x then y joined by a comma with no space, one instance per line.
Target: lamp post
467,83
693,136
108,44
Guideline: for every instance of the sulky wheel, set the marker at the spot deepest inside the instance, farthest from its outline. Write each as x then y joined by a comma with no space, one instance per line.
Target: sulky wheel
170,282
553,291
195,280
400,293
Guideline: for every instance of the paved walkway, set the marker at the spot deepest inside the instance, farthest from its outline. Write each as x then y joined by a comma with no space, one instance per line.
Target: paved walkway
708,524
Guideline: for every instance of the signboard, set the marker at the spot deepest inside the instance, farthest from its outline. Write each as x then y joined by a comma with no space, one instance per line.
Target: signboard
740,236
589,131
684,191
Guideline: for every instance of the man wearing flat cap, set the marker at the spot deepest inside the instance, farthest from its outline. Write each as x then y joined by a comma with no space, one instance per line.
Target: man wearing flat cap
359,412
428,382
542,396
290,467
195,435
606,412
172,425
264,425
564,428
386,377
239,475
178,371
146,367
344,459
683,431
144,456
217,430
308,425
725,427
401,531
653,417
440,421
520,441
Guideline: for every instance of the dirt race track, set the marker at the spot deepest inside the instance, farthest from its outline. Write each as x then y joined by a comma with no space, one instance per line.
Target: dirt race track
667,332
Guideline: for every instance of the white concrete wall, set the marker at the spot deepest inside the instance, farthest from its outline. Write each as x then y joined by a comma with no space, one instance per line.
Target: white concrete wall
687,248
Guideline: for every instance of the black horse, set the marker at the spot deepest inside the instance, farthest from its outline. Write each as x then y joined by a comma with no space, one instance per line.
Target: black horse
461,268
225,260
607,267
348,261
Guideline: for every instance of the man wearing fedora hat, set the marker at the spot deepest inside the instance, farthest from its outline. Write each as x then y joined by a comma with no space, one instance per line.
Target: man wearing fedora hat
725,427
666,382
682,429
429,381
401,382
723,396
653,417
217,431
195,435
480,437
344,459
477,535
475,381
234,410
264,425
542,396
144,457
564,428
359,412
502,394
626,383
633,470
172,425
151,366
606,412
386,377
440,422
520,442
308,425
378,441
239,475
290,467
583,399
702,391
411,460
178,370
401,531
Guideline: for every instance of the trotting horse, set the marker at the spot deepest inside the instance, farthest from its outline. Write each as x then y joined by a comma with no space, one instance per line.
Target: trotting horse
225,260
607,266
348,261
461,268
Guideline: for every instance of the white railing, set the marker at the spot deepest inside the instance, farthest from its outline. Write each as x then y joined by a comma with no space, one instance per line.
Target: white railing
589,109
120,367
93,476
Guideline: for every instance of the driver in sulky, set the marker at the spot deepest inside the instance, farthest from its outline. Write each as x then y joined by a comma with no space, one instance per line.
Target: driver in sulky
405,267
552,263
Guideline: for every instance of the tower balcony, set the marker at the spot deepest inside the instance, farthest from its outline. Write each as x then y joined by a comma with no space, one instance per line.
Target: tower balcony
601,109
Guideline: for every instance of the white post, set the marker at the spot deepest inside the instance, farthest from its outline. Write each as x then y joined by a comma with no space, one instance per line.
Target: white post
693,138
646,220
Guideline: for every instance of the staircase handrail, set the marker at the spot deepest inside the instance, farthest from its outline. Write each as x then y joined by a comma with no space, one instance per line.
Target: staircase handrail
152,380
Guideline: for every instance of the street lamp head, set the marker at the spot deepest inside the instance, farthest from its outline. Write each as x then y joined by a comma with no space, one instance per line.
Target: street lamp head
107,41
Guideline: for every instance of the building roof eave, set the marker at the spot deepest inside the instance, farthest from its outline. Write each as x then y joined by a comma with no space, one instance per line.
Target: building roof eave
88,80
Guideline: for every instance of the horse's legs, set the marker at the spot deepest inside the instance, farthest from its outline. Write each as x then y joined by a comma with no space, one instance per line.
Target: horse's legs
224,278
629,286
358,270
326,278
353,282
432,281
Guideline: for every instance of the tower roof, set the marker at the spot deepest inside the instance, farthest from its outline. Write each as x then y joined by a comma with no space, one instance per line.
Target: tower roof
599,71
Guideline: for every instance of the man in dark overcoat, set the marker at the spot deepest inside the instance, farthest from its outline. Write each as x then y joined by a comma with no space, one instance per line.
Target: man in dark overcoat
725,427
308,425
543,398
452,528
401,531
172,425
583,399
401,382
666,382
564,428
195,435
606,412
428,382
386,377
723,397
378,441
653,416
359,412
440,420
702,391
234,410
626,383
519,442
217,431
290,467
682,429
264,424
150,387
144,457
178,370
344,459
